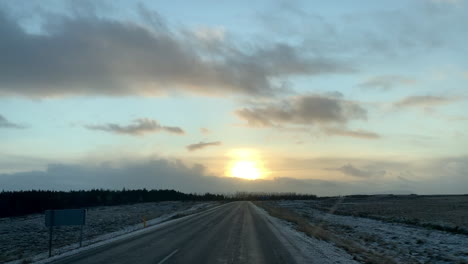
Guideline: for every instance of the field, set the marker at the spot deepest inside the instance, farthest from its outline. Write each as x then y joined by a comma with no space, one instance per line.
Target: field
25,237
448,213
371,229
385,229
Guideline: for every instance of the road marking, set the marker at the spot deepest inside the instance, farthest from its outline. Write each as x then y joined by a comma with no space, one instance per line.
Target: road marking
168,256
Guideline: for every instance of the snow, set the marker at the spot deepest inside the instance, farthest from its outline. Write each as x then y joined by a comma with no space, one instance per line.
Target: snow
26,238
401,242
303,248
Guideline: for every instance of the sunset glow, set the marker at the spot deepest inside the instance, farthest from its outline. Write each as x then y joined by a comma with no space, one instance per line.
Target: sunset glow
245,164
237,116
321,97
246,170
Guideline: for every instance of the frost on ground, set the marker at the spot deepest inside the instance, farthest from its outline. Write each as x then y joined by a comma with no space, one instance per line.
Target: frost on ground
400,242
305,249
26,237
443,212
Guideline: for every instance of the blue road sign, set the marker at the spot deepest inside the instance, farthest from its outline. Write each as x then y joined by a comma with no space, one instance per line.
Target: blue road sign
65,217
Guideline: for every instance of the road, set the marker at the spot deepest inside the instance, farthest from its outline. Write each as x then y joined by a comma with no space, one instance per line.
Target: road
232,233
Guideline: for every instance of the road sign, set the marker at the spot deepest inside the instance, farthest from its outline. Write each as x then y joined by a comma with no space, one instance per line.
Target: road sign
65,217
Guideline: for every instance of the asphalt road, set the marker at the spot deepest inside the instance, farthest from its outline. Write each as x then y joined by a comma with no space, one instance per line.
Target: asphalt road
232,233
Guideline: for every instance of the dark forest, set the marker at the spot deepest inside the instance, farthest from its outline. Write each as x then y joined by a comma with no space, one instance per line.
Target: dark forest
17,203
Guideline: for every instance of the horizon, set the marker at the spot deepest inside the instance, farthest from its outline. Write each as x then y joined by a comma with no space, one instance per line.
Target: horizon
232,195
329,99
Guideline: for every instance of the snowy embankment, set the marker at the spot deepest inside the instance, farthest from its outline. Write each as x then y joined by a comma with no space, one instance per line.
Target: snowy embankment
400,242
25,239
305,249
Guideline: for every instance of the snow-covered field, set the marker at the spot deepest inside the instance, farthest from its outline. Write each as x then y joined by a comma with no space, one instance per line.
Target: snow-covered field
444,212
27,237
401,242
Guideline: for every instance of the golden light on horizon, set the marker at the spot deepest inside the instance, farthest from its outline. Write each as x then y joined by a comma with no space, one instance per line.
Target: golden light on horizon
245,164
246,170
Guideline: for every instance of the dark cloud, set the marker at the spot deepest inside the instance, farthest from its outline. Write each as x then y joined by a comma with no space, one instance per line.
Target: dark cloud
4,123
350,170
139,127
352,133
202,145
424,101
157,174
303,110
93,55
387,82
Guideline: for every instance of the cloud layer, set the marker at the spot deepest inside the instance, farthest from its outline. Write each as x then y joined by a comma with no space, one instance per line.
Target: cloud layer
329,113
202,145
423,101
350,170
352,133
4,123
303,110
92,55
159,174
139,127
441,176
387,82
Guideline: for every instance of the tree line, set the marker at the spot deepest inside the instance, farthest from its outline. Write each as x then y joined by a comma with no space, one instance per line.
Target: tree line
256,196
17,203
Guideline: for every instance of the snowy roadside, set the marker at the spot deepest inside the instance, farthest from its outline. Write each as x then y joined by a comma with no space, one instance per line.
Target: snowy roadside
303,248
400,242
106,224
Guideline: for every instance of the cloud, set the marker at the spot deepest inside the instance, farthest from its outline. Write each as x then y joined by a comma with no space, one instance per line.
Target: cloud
202,145
161,174
387,82
360,173
438,176
352,133
380,33
4,123
424,101
205,131
139,127
151,174
94,55
303,110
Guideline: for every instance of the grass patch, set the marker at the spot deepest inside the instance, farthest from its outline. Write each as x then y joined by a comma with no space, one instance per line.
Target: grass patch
179,215
26,261
302,224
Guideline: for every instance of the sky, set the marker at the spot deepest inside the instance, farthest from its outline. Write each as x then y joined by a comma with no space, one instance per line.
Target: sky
323,97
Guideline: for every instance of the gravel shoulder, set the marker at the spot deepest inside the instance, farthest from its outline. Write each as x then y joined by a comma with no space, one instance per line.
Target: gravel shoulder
305,249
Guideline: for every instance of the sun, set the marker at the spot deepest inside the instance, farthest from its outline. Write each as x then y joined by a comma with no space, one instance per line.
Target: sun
245,169
245,164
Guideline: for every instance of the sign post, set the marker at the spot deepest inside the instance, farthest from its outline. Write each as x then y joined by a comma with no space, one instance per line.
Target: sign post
50,233
65,217
81,236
